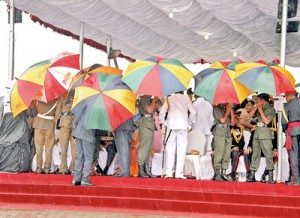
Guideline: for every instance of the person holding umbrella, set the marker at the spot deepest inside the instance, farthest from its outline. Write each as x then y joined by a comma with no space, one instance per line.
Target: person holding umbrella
44,127
222,141
262,138
86,141
146,128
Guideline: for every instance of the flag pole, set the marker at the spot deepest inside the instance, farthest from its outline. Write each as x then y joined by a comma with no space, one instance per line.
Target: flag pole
282,64
11,61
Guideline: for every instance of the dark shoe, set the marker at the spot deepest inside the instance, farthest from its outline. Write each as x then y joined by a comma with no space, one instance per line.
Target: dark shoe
271,180
87,184
233,176
105,170
94,170
98,169
142,173
68,172
47,170
217,175
224,176
76,183
251,177
56,171
148,171
263,177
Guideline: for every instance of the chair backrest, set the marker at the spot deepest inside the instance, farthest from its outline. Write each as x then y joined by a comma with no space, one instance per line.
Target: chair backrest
196,141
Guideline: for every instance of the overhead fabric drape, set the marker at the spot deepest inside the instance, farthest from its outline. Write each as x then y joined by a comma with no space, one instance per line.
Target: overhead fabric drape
142,29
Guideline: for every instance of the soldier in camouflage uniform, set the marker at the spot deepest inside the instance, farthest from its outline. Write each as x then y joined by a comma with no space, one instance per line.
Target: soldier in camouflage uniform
262,138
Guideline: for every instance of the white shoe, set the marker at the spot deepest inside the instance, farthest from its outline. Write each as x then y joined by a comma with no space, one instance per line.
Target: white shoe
168,177
180,177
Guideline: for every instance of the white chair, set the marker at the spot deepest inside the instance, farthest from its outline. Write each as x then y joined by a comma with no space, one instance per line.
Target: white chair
196,141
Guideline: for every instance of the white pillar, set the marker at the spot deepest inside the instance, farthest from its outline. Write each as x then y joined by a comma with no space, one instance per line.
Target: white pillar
282,64
11,61
81,43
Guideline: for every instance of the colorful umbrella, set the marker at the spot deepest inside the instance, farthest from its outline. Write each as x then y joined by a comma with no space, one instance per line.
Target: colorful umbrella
85,73
27,86
157,76
58,76
104,101
217,85
43,81
263,77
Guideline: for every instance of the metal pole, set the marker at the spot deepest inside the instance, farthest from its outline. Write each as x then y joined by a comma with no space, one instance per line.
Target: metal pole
81,43
108,46
11,61
282,64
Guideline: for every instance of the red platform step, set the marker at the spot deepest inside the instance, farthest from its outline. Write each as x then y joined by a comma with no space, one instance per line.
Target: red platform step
156,196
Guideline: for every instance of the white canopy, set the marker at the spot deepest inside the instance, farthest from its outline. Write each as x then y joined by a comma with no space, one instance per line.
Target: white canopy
143,28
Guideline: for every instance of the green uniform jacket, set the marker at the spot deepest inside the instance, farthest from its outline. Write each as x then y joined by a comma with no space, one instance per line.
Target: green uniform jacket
264,132
218,113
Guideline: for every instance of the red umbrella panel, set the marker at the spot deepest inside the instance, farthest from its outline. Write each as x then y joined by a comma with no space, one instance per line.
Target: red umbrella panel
104,101
58,77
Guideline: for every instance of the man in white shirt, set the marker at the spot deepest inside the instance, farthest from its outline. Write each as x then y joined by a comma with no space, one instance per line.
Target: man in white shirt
178,123
204,119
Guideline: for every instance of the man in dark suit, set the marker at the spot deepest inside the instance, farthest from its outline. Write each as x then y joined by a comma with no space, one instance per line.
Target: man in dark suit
123,136
291,124
85,144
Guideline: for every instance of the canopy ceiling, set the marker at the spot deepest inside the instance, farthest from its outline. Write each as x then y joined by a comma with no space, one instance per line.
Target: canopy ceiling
142,28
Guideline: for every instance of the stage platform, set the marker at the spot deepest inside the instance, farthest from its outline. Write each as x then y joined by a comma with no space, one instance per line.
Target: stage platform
155,196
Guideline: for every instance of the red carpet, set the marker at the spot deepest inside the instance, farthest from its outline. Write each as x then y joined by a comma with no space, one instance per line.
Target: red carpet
153,196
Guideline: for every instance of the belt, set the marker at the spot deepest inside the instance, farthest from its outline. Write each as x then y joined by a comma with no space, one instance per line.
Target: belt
106,138
146,115
45,117
66,113
222,125
260,124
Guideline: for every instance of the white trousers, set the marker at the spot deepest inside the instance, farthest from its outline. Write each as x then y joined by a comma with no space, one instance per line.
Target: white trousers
176,147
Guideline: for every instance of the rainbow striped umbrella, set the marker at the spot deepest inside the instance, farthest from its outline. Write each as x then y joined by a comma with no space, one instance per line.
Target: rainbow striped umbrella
157,76
104,101
217,85
27,86
85,73
265,77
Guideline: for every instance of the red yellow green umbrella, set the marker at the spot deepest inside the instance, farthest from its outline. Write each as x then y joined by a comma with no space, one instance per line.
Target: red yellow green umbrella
85,73
265,77
157,76
217,85
27,86
43,81
104,101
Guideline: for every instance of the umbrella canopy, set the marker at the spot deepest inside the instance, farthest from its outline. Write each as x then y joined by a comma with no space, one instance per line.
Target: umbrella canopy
217,85
265,77
85,73
27,86
58,76
157,76
104,101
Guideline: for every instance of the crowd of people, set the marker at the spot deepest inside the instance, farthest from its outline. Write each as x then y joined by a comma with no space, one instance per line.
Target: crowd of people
248,129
